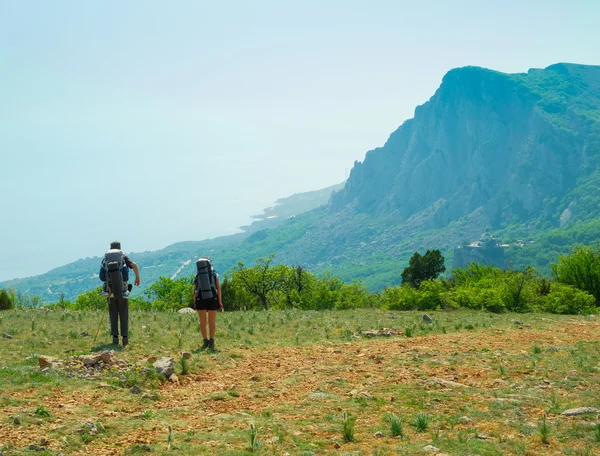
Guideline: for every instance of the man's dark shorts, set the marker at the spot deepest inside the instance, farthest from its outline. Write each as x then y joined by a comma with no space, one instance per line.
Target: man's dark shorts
207,304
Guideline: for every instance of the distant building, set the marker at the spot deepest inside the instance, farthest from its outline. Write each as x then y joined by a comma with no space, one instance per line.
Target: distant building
485,251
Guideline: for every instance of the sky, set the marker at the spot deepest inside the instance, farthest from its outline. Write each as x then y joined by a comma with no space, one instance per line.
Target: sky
154,122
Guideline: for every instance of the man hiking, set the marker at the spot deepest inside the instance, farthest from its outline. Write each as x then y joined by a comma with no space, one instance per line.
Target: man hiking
114,272
207,300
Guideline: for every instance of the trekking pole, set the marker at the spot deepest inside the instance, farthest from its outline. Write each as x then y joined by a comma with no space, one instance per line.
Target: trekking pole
101,320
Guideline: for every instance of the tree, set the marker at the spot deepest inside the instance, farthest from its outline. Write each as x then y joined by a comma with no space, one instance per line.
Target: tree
6,302
168,293
425,267
260,280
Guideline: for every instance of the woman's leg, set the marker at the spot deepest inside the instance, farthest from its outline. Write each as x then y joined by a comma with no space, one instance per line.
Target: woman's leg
212,323
202,315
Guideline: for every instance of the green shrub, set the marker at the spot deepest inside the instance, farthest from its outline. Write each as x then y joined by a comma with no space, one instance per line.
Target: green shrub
565,299
400,298
580,269
90,300
6,303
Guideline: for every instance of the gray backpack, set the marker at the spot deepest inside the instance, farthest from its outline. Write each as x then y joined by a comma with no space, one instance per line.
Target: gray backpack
114,273
206,287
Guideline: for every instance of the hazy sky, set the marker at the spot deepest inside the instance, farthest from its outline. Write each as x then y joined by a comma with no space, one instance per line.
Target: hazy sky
154,122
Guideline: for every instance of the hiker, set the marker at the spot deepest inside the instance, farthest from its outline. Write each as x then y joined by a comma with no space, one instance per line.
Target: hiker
207,300
114,272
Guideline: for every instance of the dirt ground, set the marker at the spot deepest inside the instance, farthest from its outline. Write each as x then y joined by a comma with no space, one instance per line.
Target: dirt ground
282,379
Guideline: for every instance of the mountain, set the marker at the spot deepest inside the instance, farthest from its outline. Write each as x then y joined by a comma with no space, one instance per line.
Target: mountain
517,152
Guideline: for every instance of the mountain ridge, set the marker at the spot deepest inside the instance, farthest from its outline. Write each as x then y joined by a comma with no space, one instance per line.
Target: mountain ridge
515,152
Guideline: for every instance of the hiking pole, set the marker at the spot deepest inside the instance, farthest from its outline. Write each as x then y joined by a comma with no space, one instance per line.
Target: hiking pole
101,320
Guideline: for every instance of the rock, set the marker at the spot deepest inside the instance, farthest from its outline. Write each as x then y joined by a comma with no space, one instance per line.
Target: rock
165,366
36,448
449,383
151,359
186,310
151,396
378,435
108,357
427,319
91,428
84,334
6,336
16,421
186,355
387,332
90,360
431,449
135,390
518,322
365,394
580,411
145,448
464,420
48,362
173,378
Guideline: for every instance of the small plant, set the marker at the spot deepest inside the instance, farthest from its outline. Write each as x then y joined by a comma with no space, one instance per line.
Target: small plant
253,432
597,432
408,331
169,437
185,368
297,339
469,326
502,370
147,414
421,422
32,325
233,393
396,425
179,340
536,349
545,431
348,428
41,411
554,404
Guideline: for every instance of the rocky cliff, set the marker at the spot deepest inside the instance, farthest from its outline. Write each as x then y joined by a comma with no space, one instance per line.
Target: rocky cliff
504,144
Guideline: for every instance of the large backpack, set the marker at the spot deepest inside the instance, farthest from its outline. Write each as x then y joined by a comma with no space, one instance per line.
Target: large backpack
115,273
206,288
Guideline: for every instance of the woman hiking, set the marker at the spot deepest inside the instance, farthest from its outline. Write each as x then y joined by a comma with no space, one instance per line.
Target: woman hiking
207,300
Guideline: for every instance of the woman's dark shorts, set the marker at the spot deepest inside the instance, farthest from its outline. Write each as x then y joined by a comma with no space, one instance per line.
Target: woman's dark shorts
206,304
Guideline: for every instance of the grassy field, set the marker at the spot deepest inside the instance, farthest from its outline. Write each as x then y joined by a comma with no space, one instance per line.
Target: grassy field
306,383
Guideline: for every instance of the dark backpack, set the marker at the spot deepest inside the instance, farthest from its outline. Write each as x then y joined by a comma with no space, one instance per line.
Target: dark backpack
114,272
206,287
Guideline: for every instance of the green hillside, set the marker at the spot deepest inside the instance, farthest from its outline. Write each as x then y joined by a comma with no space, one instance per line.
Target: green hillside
519,153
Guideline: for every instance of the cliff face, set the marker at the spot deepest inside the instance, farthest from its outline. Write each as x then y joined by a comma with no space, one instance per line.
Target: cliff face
503,143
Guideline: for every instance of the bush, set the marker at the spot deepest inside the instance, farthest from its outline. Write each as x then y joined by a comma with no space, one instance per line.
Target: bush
580,269
400,298
565,299
6,303
90,300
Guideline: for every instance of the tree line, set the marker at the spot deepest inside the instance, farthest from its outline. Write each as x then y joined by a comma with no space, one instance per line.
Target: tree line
574,288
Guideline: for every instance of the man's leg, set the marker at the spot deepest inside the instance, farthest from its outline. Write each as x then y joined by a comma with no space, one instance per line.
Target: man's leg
124,317
212,328
113,312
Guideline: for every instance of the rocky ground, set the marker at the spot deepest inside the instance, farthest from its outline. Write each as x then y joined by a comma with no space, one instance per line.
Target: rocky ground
491,391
